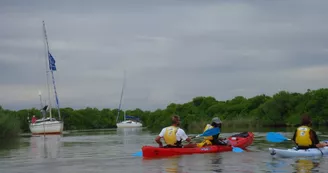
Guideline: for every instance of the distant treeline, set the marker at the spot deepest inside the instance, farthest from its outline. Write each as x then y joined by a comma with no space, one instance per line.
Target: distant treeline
282,109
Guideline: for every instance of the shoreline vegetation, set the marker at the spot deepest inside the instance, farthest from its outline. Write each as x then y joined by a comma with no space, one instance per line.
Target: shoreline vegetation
283,109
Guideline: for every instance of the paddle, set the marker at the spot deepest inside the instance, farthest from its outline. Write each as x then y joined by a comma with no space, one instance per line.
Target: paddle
236,149
276,137
137,154
209,132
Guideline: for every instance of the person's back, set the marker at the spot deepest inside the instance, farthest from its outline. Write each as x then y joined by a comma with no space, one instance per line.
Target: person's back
170,135
173,135
305,137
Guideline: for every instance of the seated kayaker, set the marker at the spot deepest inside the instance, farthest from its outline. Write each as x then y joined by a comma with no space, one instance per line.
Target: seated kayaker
213,140
173,135
305,137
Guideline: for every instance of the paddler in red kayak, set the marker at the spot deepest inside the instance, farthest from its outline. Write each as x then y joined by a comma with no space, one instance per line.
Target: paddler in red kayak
174,135
212,140
305,137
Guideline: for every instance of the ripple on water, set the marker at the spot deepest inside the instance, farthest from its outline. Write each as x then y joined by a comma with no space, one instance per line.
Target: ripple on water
110,151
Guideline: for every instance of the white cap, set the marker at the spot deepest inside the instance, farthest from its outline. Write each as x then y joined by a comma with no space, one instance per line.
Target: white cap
216,120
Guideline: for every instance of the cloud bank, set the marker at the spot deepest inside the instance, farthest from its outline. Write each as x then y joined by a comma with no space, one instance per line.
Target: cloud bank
172,51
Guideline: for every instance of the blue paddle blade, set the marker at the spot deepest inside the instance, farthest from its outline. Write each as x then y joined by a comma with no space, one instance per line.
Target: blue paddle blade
211,132
137,154
275,137
237,149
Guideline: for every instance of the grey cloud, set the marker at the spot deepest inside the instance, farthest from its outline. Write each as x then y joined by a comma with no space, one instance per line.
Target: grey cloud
172,50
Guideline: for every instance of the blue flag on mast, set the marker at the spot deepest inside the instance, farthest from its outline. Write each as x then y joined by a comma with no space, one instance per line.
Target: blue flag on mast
52,67
52,62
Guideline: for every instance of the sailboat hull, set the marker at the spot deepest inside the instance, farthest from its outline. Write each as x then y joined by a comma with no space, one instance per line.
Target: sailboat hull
128,123
47,128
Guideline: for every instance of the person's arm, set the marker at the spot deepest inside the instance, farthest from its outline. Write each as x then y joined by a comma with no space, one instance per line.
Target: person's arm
294,136
182,135
315,140
216,139
158,141
314,137
158,138
320,145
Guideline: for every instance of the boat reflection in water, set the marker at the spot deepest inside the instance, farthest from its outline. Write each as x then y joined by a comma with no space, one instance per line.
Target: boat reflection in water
170,165
129,140
129,131
303,165
211,162
47,146
129,135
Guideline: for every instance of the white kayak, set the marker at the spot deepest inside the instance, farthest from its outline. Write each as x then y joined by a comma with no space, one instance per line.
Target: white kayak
311,152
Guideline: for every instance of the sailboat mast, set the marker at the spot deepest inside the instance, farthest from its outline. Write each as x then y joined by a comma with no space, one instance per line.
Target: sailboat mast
119,107
47,65
52,73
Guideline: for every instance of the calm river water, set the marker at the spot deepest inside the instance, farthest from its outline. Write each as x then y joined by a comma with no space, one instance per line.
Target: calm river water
110,151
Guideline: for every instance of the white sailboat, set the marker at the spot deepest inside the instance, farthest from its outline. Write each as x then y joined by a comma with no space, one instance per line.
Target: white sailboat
132,122
129,121
48,125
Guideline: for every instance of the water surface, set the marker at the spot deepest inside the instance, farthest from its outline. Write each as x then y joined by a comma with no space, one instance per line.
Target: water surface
110,151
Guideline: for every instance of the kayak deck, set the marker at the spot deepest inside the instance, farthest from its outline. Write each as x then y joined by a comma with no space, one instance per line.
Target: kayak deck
236,141
287,153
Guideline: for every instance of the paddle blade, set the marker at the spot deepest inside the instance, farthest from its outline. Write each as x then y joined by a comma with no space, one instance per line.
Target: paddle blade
275,137
237,149
137,154
211,132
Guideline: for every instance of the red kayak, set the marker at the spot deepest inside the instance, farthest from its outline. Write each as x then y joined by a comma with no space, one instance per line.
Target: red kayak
241,140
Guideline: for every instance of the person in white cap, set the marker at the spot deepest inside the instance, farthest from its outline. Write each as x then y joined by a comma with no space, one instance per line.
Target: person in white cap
212,140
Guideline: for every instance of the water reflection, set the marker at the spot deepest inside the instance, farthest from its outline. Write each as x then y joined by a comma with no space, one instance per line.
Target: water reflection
7,145
216,161
45,146
164,165
297,165
305,165
10,143
110,151
171,165
128,131
185,163
129,135
277,165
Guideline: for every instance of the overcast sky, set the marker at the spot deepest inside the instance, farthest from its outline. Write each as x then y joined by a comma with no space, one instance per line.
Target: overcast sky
172,51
